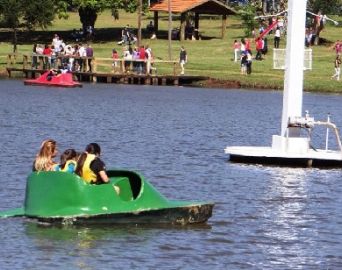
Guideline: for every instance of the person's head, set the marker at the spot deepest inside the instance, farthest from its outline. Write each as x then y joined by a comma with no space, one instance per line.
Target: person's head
48,148
47,151
69,154
93,148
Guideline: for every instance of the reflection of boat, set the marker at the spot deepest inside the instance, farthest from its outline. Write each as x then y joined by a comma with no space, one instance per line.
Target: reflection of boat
60,80
59,197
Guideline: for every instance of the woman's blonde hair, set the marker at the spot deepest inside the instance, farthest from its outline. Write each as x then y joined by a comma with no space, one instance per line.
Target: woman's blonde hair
44,157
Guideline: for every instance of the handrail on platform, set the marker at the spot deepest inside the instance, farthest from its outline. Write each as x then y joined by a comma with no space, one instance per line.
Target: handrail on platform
90,64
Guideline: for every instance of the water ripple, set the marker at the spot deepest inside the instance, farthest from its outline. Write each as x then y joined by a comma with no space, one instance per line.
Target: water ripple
264,217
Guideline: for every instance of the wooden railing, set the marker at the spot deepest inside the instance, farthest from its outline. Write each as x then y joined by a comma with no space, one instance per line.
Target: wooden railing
94,65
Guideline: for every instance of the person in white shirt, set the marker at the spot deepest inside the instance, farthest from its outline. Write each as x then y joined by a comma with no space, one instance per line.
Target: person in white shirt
277,38
69,52
81,53
56,42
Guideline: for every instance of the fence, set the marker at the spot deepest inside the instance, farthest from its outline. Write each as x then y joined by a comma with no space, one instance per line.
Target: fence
92,64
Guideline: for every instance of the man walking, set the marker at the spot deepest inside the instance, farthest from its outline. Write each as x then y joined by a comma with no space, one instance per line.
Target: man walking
183,58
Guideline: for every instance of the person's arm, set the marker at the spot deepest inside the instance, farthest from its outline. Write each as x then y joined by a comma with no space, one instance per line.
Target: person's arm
104,176
99,168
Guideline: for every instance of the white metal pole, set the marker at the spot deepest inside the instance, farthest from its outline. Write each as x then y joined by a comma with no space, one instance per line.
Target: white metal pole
294,65
327,135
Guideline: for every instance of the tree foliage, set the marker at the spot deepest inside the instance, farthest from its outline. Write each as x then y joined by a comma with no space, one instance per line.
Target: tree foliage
15,14
88,9
326,6
247,14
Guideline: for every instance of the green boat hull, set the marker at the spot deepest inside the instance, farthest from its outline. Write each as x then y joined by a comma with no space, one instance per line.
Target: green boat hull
59,197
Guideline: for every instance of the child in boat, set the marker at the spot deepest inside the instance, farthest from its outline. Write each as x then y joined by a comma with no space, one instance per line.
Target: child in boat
52,73
68,161
91,168
44,158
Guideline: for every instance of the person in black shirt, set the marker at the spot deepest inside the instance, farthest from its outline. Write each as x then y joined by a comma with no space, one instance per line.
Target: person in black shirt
90,167
183,59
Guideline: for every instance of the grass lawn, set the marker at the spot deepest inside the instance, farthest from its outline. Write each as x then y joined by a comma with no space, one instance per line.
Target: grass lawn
210,56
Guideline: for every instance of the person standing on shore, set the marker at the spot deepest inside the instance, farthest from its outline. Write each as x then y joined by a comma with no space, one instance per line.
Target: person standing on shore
90,55
277,38
236,47
337,47
337,65
183,59
259,47
243,63
249,63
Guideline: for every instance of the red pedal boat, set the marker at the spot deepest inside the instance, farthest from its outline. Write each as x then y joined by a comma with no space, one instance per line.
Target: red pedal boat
59,80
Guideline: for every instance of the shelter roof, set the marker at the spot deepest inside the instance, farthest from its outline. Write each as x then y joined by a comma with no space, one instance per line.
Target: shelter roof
198,6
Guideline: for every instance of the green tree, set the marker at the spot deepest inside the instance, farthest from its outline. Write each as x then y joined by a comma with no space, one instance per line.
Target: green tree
88,9
17,14
255,7
247,14
325,6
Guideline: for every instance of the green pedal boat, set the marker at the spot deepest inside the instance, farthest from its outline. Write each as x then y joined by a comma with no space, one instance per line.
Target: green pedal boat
60,197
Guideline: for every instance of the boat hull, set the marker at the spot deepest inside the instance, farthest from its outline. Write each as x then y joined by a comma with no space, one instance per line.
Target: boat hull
33,83
65,198
175,216
64,80
270,156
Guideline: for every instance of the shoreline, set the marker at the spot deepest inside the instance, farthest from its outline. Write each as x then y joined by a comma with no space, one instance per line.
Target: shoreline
234,84
220,84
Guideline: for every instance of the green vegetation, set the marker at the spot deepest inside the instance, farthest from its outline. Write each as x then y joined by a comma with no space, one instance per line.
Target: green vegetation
210,56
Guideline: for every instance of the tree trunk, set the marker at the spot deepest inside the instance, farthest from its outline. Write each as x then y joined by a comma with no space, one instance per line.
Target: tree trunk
15,39
264,6
139,22
88,17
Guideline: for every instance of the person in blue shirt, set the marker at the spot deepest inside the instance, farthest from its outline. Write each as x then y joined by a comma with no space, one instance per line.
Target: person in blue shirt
68,161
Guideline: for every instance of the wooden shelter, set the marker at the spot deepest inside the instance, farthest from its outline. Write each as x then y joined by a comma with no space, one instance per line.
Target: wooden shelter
182,7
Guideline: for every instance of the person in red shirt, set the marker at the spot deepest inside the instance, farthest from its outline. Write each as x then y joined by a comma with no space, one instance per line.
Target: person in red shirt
47,52
142,57
247,44
115,57
259,46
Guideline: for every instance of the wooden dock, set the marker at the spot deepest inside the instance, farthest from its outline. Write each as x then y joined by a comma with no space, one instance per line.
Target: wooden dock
127,78
121,74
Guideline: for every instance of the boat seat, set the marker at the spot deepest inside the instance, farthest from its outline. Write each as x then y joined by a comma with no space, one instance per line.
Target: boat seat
123,183
130,181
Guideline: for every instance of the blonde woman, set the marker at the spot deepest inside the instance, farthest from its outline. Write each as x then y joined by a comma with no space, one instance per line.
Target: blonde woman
44,159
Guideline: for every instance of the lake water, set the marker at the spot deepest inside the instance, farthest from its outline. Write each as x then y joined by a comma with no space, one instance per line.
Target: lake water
264,217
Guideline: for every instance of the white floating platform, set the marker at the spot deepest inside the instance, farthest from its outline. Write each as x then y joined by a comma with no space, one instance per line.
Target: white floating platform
271,156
